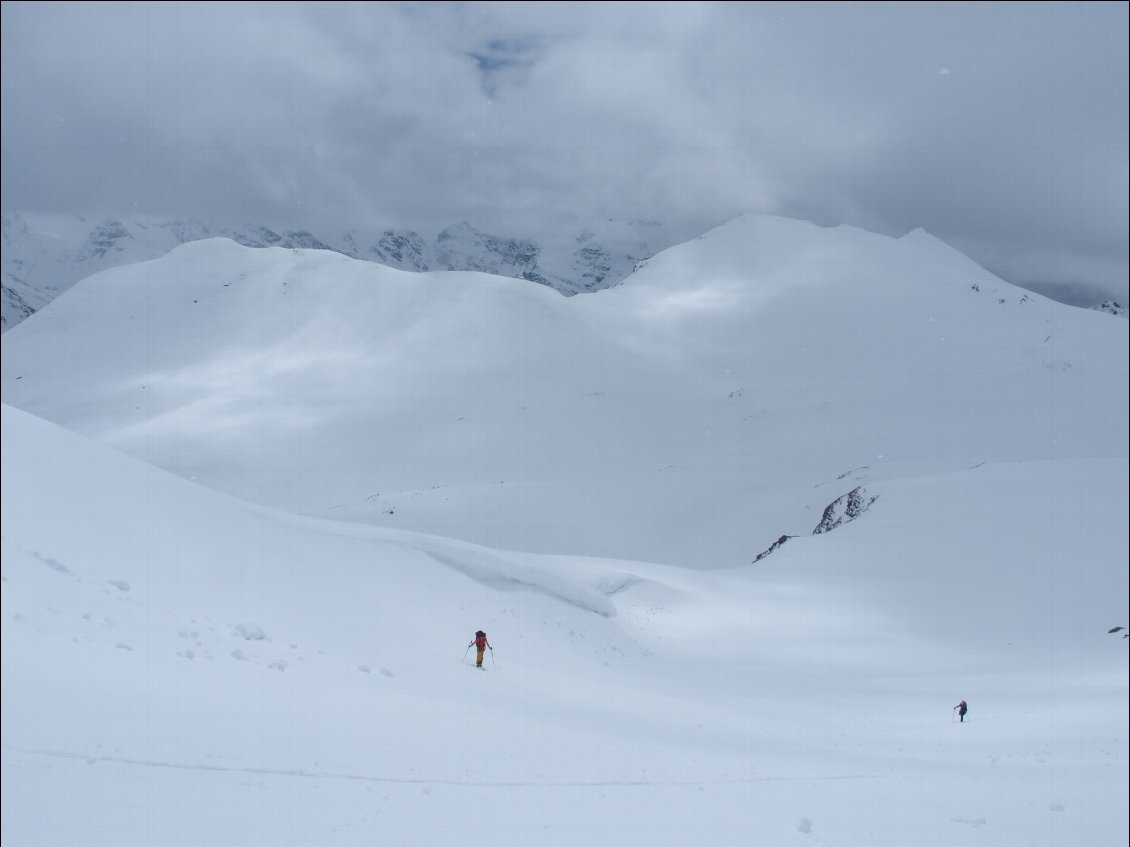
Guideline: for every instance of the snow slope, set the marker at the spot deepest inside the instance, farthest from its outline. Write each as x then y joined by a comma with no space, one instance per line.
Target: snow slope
724,395
183,668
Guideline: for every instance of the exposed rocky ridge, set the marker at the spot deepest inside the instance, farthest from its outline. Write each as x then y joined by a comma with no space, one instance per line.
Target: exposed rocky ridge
15,304
840,511
1111,308
844,510
772,548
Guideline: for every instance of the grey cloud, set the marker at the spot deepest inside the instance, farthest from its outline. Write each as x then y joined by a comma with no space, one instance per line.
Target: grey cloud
1001,128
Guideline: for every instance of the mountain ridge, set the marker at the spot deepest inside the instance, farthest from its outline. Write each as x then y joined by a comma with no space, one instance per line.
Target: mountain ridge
461,392
44,255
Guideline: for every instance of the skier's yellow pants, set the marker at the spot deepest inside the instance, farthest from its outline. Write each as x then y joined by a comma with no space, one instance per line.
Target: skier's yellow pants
479,656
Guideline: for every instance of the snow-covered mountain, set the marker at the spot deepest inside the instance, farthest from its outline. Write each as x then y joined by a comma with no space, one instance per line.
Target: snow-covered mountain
483,408
929,465
44,255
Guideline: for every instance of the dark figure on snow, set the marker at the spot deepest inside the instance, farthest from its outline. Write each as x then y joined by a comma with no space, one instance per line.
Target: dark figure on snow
481,646
961,710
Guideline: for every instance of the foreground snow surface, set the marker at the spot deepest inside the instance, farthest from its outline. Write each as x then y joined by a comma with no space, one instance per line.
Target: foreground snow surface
182,668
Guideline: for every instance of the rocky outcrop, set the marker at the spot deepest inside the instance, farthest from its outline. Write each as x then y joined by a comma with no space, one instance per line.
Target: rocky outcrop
14,306
840,511
844,510
776,545
1111,308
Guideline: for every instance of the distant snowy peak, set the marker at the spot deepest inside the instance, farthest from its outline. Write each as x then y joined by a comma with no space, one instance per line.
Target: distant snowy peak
596,266
45,255
261,236
14,303
578,265
462,247
108,237
407,251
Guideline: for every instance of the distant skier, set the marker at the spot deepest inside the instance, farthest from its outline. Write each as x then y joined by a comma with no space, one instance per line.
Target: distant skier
961,709
481,646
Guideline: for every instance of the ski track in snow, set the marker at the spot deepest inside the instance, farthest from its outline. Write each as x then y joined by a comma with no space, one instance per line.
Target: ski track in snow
349,777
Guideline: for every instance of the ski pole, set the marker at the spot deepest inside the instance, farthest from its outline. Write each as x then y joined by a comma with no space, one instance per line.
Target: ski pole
492,657
465,652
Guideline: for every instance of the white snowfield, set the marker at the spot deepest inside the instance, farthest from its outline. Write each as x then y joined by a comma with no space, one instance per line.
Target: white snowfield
588,480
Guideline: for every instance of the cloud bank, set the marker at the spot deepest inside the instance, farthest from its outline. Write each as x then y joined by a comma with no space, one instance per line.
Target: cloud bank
1000,128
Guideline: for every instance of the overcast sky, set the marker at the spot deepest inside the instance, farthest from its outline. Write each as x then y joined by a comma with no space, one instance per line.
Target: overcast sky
1000,128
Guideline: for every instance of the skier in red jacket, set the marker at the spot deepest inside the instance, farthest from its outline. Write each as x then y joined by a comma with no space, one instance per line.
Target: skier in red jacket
961,710
481,645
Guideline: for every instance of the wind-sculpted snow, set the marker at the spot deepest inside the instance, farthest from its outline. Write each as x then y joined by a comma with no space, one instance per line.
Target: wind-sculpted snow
499,570
489,570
